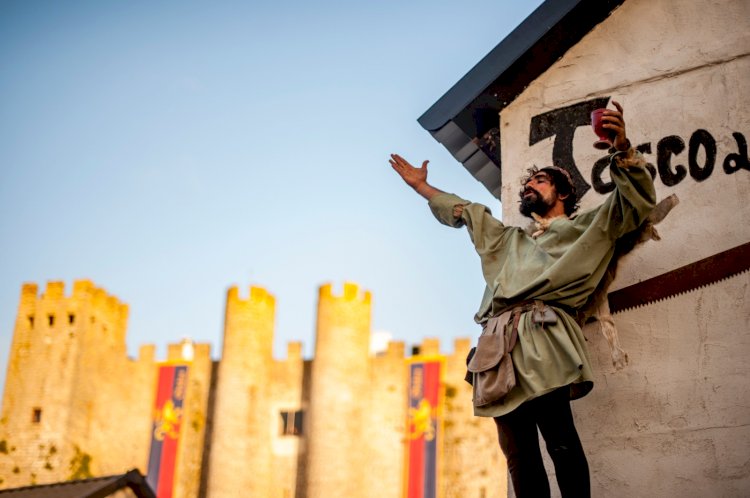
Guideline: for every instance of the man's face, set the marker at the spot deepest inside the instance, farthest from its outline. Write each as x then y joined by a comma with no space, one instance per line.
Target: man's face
538,195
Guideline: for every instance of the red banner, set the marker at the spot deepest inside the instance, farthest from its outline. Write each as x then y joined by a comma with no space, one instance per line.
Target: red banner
424,427
165,433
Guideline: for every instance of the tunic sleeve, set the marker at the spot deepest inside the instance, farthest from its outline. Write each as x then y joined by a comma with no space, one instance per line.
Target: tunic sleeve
442,206
633,199
486,232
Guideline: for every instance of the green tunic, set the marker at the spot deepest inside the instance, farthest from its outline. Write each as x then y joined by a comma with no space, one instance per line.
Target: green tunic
561,267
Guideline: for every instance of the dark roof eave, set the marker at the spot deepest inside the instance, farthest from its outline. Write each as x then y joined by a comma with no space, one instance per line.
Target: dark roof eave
97,487
134,480
528,51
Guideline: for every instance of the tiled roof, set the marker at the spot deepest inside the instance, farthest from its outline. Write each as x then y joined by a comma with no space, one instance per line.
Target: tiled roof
98,487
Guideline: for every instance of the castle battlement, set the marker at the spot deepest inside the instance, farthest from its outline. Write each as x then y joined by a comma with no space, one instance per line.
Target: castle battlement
54,290
258,296
83,291
351,292
83,288
188,351
430,346
395,349
29,289
86,298
147,354
29,296
291,420
462,345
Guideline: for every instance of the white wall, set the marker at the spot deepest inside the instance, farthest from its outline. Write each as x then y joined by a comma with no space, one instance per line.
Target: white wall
676,421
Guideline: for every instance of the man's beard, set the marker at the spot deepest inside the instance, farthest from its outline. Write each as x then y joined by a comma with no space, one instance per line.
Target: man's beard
534,203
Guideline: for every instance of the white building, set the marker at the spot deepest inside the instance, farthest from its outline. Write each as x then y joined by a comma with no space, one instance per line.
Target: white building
676,420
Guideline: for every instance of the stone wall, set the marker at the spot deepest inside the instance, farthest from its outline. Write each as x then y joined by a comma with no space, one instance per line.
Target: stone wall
674,422
97,405
291,376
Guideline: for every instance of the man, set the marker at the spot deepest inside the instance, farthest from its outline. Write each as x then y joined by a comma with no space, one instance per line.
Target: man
535,283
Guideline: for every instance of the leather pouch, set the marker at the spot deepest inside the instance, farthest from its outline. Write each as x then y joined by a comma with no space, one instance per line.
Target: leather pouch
492,367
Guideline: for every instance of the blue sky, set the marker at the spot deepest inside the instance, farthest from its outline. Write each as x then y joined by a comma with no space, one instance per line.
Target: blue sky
169,150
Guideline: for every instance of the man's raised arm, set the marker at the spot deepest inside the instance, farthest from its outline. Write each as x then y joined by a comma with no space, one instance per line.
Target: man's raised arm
634,196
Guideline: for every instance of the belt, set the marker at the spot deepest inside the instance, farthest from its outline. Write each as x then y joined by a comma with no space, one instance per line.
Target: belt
542,314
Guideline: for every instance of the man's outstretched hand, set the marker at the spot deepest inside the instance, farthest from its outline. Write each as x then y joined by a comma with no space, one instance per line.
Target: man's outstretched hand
614,120
411,175
416,178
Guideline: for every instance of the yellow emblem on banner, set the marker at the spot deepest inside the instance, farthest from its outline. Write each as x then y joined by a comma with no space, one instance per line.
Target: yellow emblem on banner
167,421
422,423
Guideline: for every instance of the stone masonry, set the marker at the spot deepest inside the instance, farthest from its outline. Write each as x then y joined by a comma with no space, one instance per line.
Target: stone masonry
76,406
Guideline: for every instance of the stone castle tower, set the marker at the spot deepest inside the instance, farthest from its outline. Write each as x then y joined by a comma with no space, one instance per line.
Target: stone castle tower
340,375
241,438
55,414
76,406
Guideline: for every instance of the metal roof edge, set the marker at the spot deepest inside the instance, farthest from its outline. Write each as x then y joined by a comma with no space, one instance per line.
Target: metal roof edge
561,22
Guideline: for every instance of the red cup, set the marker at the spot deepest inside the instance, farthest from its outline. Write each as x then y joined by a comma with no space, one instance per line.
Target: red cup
606,136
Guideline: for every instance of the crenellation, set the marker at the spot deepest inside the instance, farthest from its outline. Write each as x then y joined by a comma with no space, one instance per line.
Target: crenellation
174,352
123,312
147,353
98,410
257,295
395,349
461,346
82,289
325,291
259,305
112,308
29,293
202,351
350,292
54,290
260,294
233,294
99,298
187,351
430,346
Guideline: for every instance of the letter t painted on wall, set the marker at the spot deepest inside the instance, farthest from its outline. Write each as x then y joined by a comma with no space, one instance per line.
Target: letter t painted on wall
562,123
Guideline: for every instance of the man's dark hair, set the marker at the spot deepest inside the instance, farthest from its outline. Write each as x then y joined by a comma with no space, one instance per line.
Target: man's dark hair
562,182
